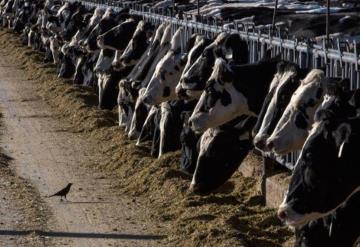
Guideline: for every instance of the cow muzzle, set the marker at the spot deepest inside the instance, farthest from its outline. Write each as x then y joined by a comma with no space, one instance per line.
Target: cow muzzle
290,217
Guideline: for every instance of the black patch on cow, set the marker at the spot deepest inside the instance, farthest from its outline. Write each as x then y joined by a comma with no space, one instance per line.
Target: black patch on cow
300,121
182,62
311,103
166,92
319,93
225,98
162,75
177,68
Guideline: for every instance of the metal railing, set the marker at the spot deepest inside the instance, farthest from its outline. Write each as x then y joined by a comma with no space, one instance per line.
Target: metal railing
336,61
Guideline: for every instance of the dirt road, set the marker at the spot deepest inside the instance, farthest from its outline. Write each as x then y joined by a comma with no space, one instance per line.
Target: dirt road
49,155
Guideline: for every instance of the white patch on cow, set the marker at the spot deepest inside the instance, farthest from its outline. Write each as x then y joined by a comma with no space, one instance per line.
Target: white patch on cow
107,13
103,78
158,35
30,37
116,60
165,111
96,17
54,47
75,39
133,132
165,74
166,37
286,137
103,62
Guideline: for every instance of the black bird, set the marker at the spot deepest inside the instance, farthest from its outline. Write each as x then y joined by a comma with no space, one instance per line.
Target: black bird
62,193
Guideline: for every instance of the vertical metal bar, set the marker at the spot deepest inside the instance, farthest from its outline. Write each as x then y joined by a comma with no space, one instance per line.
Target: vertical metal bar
274,16
198,7
327,24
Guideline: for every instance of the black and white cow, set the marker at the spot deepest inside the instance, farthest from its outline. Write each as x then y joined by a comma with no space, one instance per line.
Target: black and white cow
226,46
232,91
342,228
298,115
222,149
109,20
138,44
327,173
285,82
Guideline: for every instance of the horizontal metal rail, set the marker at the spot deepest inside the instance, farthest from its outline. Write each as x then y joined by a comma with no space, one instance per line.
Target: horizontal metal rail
336,62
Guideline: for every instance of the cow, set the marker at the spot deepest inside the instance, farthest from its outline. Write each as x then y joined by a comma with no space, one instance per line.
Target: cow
138,44
231,91
118,37
285,82
341,228
109,20
161,87
226,46
326,173
298,115
222,149
200,44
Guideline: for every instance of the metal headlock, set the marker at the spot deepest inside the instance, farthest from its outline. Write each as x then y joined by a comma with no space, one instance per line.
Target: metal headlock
338,63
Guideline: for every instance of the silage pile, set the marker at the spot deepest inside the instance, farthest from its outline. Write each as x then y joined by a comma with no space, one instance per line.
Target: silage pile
233,216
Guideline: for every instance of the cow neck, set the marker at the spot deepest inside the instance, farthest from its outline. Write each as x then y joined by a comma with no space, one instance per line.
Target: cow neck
252,84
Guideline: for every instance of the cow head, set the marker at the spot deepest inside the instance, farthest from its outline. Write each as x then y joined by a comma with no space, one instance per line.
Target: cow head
161,87
285,82
327,171
219,102
117,37
200,42
227,46
78,21
292,128
137,44
222,150
107,21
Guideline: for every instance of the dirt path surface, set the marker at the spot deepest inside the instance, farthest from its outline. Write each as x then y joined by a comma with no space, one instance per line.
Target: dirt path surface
47,154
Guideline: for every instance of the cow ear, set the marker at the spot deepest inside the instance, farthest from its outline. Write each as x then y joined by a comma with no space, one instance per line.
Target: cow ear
341,135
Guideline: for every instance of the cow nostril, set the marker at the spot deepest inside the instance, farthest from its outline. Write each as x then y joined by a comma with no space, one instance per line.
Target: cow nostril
282,215
190,123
